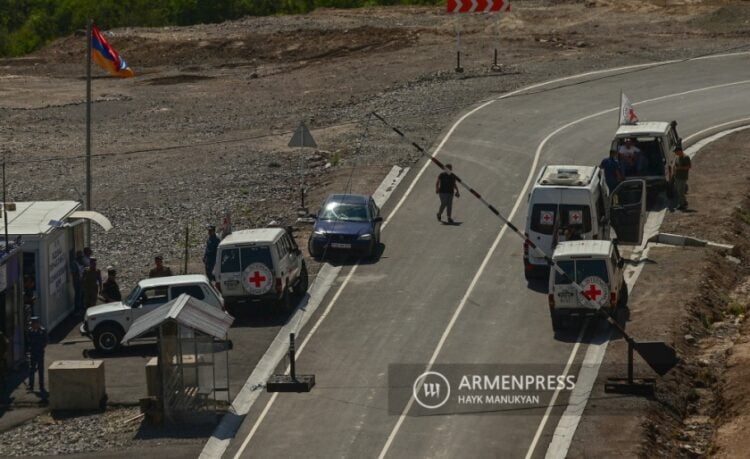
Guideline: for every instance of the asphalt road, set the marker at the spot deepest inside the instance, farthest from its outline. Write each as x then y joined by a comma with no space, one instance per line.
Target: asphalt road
431,297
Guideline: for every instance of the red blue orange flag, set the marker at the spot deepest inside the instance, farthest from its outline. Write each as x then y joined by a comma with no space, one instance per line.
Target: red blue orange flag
106,56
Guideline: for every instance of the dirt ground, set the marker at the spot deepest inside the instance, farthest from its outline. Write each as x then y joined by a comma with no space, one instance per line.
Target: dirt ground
203,128
696,300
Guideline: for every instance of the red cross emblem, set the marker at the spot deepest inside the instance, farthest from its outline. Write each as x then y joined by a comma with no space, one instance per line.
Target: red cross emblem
547,217
576,216
257,279
592,293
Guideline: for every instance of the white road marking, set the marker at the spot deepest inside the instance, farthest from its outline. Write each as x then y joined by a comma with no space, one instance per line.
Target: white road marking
568,423
217,452
251,390
519,200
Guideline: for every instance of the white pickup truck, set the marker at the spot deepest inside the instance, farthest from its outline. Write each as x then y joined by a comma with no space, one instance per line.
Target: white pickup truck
106,324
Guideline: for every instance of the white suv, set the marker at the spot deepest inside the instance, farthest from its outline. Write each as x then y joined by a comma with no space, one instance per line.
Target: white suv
261,264
106,324
598,268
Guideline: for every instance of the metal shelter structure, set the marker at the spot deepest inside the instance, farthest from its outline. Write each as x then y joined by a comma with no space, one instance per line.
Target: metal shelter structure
193,357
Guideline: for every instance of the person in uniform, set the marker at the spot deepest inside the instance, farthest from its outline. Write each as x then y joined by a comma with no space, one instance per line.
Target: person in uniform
76,272
160,270
680,174
110,288
91,283
37,344
209,256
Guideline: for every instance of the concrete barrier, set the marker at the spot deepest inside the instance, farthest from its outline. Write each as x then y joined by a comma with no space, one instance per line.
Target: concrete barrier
77,385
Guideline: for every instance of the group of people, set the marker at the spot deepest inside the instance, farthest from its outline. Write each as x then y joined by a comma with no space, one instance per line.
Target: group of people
624,161
88,284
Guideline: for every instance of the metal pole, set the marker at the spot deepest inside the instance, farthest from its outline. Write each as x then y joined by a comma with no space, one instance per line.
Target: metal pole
187,254
630,362
292,371
5,210
88,128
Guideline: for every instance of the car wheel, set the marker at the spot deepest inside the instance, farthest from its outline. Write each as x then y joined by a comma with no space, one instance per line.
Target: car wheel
311,248
302,282
622,301
107,338
285,303
558,321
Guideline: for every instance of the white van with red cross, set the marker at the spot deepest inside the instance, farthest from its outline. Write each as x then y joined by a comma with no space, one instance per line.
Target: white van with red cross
573,202
261,264
598,268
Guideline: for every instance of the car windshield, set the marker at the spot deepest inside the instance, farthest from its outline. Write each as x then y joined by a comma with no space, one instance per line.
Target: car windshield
583,269
344,211
133,296
259,254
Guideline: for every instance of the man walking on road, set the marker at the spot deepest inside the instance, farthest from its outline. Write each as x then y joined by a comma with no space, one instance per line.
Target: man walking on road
37,344
682,166
212,247
446,187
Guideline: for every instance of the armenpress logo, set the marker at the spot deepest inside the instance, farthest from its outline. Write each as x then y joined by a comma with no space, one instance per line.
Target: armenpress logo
431,390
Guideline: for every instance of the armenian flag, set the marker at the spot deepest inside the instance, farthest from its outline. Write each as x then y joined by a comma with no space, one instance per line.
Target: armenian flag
106,56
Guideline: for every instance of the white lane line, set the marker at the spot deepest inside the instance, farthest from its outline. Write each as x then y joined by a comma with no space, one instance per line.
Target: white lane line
519,200
215,447
568,424
452,129
298,353
253,387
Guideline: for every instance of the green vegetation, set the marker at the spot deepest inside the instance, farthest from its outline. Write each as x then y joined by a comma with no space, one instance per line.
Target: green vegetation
26,25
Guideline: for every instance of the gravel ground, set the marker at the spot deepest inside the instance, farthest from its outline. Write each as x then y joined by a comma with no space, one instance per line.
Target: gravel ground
204,126
108,431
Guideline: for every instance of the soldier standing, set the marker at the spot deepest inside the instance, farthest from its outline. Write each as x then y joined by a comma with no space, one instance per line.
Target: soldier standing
212,247
110,288
91,283
37,344
159,270
681,171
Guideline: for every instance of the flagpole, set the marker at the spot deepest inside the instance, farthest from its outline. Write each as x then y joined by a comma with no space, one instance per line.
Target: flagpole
89,22
619,113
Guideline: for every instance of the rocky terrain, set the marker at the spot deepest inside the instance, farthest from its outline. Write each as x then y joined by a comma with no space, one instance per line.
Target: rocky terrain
203,128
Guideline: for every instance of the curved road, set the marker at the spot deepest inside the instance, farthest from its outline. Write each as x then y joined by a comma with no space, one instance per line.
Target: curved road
456,294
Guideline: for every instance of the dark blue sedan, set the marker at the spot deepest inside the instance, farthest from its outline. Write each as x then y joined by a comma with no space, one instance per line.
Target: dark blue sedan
349,222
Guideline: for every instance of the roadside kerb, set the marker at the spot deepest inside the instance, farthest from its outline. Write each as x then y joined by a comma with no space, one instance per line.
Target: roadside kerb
256,382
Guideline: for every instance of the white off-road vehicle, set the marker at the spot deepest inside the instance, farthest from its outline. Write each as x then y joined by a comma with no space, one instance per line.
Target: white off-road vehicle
106,324
262,264
653,144
598,268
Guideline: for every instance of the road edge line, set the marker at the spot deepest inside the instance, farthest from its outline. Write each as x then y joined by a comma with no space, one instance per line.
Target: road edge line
230,423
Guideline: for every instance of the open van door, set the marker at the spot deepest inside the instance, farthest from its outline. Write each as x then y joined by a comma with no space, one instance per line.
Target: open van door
627,211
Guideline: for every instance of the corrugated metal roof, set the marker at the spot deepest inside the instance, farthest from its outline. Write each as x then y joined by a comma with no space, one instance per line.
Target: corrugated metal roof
186,311
35,217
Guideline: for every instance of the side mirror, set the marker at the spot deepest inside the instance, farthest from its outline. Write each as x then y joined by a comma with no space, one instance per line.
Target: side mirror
377,219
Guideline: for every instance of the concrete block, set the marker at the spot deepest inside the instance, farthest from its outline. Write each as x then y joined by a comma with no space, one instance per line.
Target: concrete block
77,385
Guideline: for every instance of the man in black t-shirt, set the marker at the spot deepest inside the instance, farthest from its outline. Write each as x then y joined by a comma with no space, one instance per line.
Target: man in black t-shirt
445,187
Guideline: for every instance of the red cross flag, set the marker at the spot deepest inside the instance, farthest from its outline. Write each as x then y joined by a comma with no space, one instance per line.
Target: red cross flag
478,6
546,217
575,217
627,113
